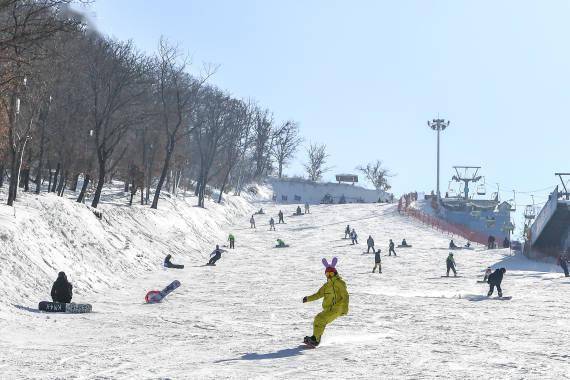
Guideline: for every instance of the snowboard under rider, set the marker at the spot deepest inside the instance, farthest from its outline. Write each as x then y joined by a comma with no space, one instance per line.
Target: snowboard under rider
335,301
62,290
391,248
215,255
377,261
370,243
450,264
495,279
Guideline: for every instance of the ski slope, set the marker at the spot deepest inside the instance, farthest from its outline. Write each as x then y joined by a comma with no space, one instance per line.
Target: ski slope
244,318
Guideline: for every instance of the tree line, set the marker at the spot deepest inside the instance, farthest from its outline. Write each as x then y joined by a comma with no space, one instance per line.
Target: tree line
78,110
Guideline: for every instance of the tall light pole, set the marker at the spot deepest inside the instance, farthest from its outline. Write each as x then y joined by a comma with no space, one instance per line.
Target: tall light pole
438,125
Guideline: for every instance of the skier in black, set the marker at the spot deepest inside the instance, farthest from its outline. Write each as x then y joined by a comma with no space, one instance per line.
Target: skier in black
391,248
450,262
280,215
298,212
377,261
62,290
347,232
563,262
452,245
370,243
271,224
491,242
215,255
495,279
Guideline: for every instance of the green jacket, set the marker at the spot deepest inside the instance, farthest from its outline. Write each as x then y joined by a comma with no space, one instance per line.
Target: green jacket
334,294
231,237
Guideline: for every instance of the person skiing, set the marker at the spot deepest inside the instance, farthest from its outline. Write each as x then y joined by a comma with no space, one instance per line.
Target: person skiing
280,243
377,261
354,237
391,248
451,265
563,262
252,222
370,243
452,245
335,302
495,279
232,240
299,212
347,232
271,224
62,290
215,255
307,211
488,272
169,264
280,215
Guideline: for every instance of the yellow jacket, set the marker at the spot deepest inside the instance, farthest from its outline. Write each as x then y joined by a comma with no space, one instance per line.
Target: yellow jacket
334,294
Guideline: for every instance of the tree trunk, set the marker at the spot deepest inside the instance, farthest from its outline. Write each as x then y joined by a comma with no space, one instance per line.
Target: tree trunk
12,189
2,175
26,179
55,178
164,173
224,184
61,184
50,178
74,183
100,184
86,179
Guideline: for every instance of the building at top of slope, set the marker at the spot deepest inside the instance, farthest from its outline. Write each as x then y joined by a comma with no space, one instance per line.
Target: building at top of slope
296,190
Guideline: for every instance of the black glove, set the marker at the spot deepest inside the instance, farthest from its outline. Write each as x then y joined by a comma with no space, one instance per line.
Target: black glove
304,299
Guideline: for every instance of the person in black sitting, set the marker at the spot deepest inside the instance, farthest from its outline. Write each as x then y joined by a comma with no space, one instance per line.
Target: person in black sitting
168,264
62,290
404,243
452,245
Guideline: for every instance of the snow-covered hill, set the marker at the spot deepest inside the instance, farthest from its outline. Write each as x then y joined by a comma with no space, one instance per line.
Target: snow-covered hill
244,318
46,234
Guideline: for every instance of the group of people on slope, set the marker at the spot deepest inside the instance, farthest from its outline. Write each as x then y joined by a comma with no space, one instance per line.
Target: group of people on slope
494,279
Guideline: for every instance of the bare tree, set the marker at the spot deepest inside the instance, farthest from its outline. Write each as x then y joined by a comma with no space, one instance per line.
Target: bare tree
116,76
286,144
317,156
176,93
264,136
377,175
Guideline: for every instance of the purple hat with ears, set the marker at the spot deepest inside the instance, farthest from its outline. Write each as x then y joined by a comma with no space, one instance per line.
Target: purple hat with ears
330,267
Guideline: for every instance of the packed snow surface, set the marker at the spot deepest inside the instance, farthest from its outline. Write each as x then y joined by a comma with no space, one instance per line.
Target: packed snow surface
244,317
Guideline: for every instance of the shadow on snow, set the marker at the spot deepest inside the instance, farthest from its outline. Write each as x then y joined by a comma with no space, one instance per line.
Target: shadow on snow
284,353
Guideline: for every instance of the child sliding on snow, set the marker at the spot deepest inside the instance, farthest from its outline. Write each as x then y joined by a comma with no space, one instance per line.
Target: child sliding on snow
335,302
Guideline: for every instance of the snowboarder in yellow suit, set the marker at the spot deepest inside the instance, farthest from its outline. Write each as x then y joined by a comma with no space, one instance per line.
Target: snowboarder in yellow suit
335,302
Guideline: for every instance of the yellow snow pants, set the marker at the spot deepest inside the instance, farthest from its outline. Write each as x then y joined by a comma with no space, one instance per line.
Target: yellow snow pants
322,320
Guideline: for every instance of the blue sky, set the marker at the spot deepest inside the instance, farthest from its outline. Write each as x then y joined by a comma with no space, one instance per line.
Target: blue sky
363,77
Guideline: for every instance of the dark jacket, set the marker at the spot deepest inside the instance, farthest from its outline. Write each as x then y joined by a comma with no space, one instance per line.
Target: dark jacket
391,246
62,290
370,242
496,277
377,258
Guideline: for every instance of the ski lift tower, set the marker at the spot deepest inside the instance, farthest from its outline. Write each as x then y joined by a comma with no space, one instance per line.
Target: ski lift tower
565,193
438,125
469,175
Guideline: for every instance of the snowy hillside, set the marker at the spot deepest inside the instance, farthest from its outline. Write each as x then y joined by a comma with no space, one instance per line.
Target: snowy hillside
47,234
244,318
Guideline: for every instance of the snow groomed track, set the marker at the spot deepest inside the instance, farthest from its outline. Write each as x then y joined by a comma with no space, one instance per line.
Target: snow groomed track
244,318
